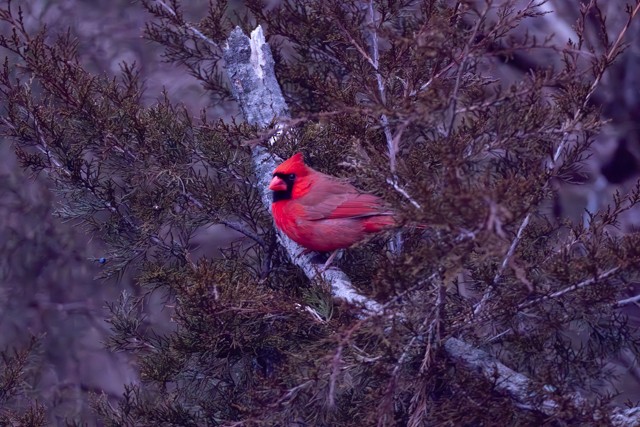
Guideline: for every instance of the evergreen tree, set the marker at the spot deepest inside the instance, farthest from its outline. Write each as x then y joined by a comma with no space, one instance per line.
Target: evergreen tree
500,313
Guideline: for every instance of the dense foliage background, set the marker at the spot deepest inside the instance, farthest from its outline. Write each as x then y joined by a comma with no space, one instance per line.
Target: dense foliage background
142,282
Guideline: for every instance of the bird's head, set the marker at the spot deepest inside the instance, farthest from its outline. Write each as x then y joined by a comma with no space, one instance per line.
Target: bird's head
285,176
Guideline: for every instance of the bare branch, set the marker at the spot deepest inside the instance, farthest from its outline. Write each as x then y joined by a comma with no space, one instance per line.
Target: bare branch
517,386
463,65
505,262
631,300
506,379
392,143
191,28
404,193
572,288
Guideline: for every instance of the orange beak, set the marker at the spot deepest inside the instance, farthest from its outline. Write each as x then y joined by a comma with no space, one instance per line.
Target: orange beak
277,184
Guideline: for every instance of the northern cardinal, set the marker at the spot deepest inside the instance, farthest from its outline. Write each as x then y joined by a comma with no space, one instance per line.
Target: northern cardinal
321,212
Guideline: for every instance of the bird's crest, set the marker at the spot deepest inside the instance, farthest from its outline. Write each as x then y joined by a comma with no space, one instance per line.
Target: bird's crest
293,165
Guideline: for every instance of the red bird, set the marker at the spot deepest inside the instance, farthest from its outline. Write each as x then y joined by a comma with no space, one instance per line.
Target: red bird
321,212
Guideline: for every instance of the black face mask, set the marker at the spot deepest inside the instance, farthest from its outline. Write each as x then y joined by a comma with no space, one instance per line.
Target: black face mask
284,194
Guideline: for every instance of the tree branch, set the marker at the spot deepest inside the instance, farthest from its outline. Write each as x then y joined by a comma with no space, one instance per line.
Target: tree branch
191,28
516,385
632,300
250,67
583,284
392,143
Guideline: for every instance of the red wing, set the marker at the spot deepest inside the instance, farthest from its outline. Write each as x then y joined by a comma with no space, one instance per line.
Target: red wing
337,199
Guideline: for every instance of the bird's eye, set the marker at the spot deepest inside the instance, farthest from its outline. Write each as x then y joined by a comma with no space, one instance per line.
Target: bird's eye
292,176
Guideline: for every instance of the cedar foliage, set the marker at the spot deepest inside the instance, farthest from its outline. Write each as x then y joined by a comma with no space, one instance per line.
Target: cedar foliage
391,95
14,377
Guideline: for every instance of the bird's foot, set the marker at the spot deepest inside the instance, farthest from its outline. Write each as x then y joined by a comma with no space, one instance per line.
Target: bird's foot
304,252
330,259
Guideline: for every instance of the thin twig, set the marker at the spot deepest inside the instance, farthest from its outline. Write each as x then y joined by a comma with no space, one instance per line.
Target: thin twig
404,193
585,283
505,262
581,285
392,145
435,331
626,301
191,28
241,228
462,66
